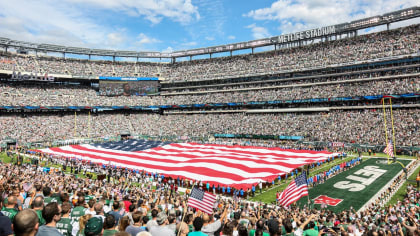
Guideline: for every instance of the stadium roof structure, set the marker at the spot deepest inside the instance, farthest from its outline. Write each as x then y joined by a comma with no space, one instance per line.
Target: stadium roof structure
297,37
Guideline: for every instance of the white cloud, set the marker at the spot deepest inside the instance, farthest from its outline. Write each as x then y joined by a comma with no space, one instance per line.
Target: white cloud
297,15
231,37
116,38
258,32
168,50
58,22
144,39
209,38
182,11
63,23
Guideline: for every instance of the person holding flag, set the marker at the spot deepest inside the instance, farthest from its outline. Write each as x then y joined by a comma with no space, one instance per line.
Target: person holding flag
296,189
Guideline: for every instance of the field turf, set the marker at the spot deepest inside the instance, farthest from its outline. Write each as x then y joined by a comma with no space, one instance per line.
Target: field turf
362,192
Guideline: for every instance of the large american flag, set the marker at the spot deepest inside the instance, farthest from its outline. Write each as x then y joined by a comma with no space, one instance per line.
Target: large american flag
296,189
235,166
202,201
389,149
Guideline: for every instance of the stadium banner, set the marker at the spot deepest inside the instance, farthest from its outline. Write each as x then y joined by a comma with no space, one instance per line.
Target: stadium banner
128,86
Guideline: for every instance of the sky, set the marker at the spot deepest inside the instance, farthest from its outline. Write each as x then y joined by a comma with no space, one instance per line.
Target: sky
173,25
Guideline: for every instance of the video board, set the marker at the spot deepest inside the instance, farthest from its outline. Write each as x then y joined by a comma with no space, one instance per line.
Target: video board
128,86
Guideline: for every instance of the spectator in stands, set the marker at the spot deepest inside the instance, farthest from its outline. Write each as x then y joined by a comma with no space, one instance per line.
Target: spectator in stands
116,212
135,228
182,229
94,227
5,222
153,222
25,223
109,226
65,226
52,214
161,229
38,206
9,208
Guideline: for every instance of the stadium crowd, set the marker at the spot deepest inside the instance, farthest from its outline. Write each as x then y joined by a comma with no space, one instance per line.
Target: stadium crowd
36,201
40,202
401,41
350,126
58,95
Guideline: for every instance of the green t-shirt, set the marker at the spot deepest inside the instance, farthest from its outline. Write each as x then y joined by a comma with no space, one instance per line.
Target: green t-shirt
64,226
310,232
9,212
51,199
345,226
41,219
252,233
108,232
77,213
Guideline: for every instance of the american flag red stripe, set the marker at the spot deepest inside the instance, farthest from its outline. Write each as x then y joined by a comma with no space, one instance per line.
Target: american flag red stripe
201,200
389,149
296,189
236,166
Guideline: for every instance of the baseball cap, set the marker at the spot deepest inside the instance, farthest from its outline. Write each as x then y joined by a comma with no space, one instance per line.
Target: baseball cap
94,225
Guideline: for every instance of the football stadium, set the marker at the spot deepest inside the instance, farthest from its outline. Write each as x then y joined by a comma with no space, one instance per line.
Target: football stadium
311,131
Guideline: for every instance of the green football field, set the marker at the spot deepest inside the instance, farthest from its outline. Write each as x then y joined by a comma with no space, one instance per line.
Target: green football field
355,186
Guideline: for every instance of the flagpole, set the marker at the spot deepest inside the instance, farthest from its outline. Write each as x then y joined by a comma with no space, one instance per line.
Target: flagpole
386,132
185,212
393,130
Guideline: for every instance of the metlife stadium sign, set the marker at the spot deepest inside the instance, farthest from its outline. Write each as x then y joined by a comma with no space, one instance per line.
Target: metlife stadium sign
308,34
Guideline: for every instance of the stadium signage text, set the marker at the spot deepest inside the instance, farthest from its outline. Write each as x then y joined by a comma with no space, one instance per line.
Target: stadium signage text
363,178
31,76
313,33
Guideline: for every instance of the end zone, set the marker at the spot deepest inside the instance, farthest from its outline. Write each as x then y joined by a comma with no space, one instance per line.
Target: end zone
356,186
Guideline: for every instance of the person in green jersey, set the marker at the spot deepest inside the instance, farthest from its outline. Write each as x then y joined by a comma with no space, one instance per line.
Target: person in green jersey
79,210
26,223
109,226
9,209
64,226
311,231
38,206
49,197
